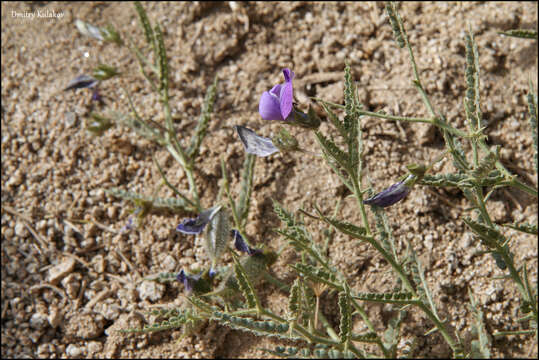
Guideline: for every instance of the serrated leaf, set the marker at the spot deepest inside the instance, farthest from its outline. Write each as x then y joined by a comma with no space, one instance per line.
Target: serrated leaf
489,235
145,22
520,33
395,25
346,227
523,227
203,121
163,62
333,151
455,149
387,298
532,108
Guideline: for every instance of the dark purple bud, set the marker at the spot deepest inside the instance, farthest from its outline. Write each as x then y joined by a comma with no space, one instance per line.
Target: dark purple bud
241,245
196,226
95,95
389,196
81,81
212,273
188,280
127,226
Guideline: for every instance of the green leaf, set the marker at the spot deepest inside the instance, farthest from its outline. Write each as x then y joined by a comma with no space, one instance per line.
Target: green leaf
259,328
294,298
217,235
472,99
333,151
246,187
203,121
163,61
156,204
98,124
145,22
334,119
402,298
481,347
532,108
486,164
520,33
105,72
490,236
345,326
523,227
346,227
455,148
391,336
395,25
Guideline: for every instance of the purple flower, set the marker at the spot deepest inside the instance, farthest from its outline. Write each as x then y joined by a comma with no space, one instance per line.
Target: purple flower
81,81
188,281
389,196
241,245
277,103
195,226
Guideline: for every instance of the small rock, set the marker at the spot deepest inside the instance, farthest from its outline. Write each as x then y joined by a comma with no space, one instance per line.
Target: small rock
38,321
55,316
94,347
85,326
70,118
425,133
61,270
73,351
149,290
169,263
20,230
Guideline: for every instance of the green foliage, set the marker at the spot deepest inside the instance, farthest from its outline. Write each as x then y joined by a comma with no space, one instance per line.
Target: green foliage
395,24
532,108
156,204
520,33
246,187
98,124
220,298
523,227
480,348
346,318
202,125
245,285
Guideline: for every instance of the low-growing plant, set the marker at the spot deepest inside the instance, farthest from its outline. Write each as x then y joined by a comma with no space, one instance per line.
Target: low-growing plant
229,293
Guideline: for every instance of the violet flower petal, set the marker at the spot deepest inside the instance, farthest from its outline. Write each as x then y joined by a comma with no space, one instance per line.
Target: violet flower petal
196,226
287,94
254,144
269,107
188,281
81,81
241,245
389,196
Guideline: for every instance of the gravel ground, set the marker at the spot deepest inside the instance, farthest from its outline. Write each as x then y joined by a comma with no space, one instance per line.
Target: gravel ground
68,285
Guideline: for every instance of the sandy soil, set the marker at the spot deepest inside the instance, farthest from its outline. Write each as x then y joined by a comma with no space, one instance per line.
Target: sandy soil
66,286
